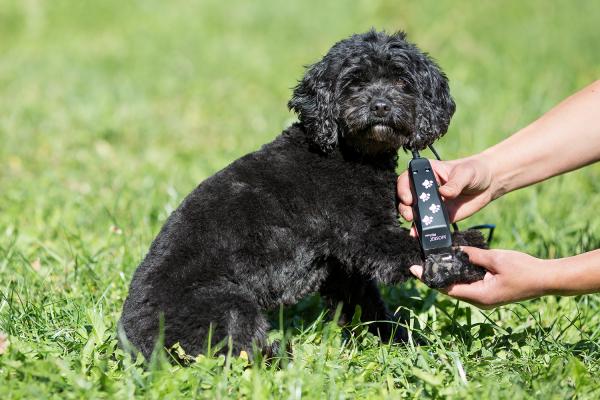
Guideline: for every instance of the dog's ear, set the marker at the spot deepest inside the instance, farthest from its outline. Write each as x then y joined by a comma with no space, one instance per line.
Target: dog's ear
314,101
434,107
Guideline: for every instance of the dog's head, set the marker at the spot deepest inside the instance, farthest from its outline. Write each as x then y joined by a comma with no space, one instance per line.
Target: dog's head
376,92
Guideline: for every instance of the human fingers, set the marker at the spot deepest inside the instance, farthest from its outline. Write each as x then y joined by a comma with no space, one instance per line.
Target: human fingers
413,231
459,178
482,257
403,188
465,206
404,191
405,211
441,171
416,270
477,293
405,197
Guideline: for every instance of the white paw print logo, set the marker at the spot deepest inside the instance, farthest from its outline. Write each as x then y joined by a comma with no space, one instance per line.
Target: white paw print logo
427,220
424,196
427,183
434,208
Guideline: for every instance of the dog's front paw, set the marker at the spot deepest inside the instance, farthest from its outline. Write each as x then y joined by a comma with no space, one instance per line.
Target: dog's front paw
443,270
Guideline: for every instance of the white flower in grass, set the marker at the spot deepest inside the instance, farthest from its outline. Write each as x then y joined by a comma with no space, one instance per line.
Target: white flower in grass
424,196
427,183
427,220
3,343
434,208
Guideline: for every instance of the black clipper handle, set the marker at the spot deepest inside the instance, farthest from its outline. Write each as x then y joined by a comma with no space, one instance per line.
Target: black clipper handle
430,215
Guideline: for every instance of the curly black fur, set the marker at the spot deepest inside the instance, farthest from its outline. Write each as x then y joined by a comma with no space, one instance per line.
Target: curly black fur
314,210
337,91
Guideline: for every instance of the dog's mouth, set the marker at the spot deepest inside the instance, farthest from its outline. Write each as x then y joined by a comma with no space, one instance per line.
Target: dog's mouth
381,129
377,136
382,132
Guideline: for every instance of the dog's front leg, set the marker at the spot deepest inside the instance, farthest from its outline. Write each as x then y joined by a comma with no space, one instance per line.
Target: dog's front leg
383,254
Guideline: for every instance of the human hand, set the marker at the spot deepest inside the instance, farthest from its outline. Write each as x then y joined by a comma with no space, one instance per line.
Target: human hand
511,276
465,184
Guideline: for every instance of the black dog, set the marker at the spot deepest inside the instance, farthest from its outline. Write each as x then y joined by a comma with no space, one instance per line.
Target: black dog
314,210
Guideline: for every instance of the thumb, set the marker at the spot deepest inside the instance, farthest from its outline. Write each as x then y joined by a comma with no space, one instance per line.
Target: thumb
458,179
481,257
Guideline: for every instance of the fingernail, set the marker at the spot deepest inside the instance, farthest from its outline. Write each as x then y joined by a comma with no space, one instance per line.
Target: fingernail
416,270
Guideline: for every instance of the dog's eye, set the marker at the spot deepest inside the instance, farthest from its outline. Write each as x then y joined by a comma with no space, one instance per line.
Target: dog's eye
400,83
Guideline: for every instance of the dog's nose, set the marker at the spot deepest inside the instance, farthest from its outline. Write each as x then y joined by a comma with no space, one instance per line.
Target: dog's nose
380,107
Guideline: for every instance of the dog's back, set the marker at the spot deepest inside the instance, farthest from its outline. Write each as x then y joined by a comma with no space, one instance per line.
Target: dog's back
245,240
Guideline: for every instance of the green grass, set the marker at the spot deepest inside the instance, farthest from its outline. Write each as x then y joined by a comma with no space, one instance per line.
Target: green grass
112,111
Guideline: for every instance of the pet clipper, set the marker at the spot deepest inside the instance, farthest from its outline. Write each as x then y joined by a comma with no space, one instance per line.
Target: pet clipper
430,215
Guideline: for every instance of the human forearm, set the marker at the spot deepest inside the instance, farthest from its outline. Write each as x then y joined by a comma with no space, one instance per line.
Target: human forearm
513,276
565,138
574,275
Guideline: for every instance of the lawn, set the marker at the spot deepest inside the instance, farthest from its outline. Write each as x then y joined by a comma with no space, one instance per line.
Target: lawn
112,111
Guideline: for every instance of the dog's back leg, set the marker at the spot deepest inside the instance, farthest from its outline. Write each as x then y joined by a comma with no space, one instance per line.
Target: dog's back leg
355,290
224,317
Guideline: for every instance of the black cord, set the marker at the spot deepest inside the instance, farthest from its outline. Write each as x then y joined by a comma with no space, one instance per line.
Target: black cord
436,154
415,154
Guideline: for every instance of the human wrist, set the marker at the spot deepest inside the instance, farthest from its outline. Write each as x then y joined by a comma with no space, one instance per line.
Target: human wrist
575,275
488,164
513,165
552,279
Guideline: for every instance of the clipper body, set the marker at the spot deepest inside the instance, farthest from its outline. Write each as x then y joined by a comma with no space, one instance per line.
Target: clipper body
430,215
